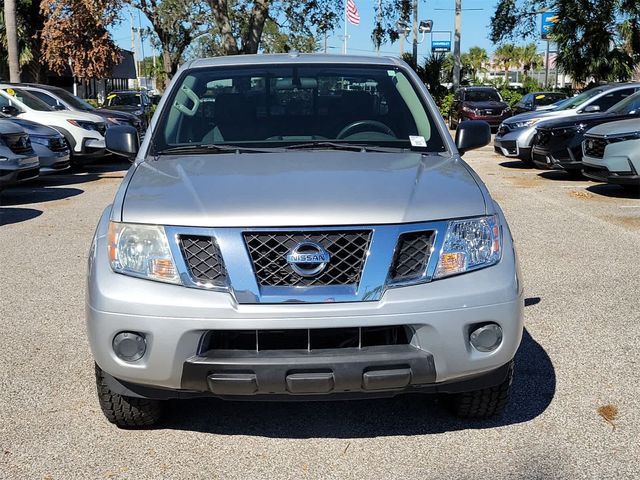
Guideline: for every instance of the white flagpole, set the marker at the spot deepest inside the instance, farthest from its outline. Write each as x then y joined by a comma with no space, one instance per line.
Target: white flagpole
345,27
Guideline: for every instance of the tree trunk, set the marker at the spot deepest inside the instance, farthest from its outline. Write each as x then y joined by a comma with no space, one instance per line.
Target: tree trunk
258,18
168,64
12,40
220,11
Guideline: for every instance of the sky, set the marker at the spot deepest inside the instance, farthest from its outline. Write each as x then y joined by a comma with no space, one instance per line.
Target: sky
476,16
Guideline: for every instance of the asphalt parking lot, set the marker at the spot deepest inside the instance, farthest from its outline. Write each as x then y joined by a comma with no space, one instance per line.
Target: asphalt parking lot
578,243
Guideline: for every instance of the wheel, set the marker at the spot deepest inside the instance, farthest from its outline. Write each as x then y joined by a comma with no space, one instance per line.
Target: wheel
126,412
484,403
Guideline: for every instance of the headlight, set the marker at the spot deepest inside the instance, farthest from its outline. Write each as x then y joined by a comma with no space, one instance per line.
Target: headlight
40,140
525,124
141,251
3,159
138,112
83,124
469,245
468,109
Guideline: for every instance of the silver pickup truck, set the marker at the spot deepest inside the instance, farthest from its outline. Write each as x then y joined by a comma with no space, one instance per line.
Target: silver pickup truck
301,227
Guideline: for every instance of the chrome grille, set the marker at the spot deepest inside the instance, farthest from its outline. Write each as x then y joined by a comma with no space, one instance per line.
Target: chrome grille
268,251
412,254
203,259
594,147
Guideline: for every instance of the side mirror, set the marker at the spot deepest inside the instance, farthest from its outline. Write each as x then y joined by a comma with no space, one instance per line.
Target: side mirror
472,134
10,110
122,140
591,109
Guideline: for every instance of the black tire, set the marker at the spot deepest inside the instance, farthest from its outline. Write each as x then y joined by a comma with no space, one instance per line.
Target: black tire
126,412
484,403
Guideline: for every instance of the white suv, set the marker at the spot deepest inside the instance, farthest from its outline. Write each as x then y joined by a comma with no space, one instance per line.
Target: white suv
83,131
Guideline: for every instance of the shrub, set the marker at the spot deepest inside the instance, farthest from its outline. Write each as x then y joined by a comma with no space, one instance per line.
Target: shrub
444,104
92,101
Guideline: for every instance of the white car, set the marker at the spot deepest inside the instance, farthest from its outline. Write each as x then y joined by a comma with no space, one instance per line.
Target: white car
84,132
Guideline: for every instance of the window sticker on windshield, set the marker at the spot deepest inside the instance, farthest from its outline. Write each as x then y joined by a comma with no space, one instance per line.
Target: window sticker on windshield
540,97
391,73
417,141
11,92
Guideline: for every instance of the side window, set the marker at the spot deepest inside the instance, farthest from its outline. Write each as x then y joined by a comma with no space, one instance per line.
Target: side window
528,99
4,102
49,100
610,99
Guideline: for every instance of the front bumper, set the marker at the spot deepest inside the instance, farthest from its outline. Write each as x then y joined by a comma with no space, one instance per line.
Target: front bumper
544,158
494,121
515,143
602,174
175,320
19,169
51,161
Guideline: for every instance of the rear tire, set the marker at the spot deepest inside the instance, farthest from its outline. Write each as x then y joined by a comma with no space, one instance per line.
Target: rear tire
484,403
126,412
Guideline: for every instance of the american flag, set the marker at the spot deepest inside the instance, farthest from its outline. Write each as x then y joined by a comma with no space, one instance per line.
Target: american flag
352,13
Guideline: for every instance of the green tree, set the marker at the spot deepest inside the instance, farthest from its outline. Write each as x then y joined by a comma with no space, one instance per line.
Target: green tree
476,58
506,56
596,38
530,59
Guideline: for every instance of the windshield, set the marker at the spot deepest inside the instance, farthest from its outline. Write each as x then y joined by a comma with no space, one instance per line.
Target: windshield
124,99
482,96
74,101
575,102
27,99
629,105
286,105
543,99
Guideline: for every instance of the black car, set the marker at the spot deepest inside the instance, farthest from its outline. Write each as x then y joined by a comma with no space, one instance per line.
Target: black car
60,99
131,101
537,101
558,143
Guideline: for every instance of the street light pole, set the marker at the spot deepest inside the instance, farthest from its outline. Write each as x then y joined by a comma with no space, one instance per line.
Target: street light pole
457,65
415,33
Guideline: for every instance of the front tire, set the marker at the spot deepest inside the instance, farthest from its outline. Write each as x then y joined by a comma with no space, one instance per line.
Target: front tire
484,403
126,412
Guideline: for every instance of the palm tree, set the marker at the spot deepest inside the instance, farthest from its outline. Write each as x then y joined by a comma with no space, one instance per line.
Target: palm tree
12,40
530,58
476,58
506,56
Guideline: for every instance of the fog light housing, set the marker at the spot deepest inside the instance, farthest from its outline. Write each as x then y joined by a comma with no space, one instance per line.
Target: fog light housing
486,338
129,346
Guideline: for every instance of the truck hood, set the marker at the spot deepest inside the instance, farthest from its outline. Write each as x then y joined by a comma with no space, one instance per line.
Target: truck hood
616,128
313,188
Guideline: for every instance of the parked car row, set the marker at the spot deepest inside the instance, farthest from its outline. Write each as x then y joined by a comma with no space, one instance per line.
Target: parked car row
594,133
45,129
486,103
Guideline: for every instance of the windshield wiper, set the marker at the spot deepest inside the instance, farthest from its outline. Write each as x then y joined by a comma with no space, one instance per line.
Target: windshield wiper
348,147
211,148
